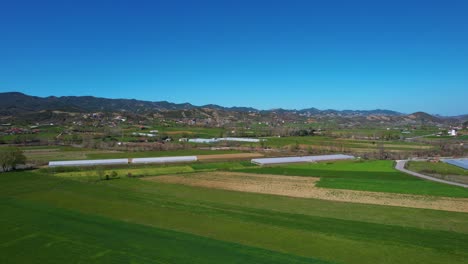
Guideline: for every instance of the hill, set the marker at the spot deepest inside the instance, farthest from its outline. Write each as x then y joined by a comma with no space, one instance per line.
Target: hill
15,106
15,102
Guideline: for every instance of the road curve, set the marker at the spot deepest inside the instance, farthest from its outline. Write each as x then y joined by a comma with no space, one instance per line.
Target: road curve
400,165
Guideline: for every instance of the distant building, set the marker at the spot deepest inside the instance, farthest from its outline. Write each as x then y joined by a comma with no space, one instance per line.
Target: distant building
144,134
452,132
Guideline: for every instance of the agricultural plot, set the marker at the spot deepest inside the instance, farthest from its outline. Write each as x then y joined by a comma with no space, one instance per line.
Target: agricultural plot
72,237
55,220
146,154
376,176
94,174
439,170
450,138
304,187
325,143
42,155
192,132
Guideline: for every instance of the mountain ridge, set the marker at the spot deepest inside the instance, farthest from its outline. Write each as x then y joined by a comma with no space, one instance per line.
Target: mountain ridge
12,103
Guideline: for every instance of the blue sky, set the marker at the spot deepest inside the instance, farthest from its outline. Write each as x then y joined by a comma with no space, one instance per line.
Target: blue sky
401,55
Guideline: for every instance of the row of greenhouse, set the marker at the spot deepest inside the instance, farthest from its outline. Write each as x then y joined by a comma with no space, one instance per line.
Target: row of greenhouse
159,160
164,160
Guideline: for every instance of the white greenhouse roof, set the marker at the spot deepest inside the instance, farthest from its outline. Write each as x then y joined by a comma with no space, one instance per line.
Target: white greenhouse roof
202,140
87,162
213,140
283,160
73,163
164,159
462,163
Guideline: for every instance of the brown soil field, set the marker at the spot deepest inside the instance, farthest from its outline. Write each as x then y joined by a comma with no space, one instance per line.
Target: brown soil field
229,156
304,187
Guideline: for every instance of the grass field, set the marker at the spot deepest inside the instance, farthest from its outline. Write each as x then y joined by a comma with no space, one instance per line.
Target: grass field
92,174
378,176
461,137
192,132
440,170
436,168
323,142
55,220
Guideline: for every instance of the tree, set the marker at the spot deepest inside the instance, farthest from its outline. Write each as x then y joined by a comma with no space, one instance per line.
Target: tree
100,172
381,148
11,157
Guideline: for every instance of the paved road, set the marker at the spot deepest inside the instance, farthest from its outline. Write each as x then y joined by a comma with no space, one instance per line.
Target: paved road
401,167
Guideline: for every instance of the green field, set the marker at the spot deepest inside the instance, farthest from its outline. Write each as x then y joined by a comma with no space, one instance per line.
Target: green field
436,168
378,176
323,142
461,137
55,220
440,170
92,174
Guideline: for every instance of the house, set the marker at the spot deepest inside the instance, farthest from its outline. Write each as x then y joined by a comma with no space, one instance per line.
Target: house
452,132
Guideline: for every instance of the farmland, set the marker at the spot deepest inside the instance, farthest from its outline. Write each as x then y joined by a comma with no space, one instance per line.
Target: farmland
305,187
169,132
440,170
42,155
91,174
377,176
161,219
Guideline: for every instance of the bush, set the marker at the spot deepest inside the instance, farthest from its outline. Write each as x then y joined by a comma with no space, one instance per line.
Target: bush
10,158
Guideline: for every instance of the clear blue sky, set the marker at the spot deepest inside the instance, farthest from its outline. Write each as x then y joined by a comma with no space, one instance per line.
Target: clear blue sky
401,55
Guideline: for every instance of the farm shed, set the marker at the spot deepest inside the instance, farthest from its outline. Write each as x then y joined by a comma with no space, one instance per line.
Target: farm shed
74,163
462,163
285,160
164,160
